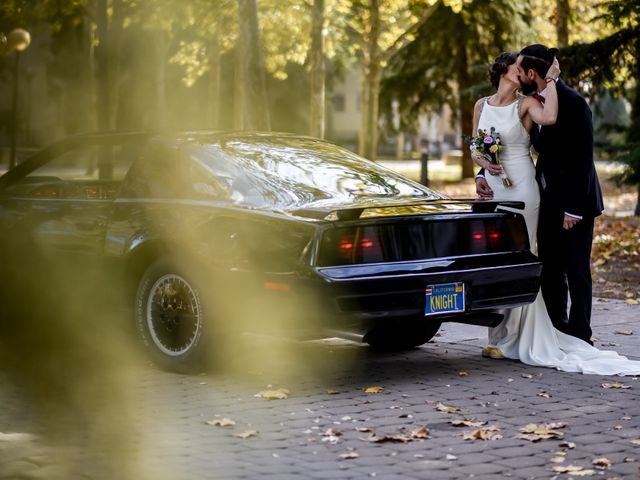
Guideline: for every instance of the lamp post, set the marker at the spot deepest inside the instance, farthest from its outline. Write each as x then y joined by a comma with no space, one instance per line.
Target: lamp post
17,40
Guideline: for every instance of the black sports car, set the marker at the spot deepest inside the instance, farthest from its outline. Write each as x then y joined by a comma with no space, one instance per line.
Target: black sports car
207,233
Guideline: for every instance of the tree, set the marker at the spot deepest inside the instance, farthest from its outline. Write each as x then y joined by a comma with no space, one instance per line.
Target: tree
433,71
375,30
613,61
317,71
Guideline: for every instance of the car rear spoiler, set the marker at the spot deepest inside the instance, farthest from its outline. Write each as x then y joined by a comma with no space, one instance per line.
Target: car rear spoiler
354,213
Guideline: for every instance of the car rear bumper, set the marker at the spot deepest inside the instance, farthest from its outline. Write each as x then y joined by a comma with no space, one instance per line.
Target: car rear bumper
361,297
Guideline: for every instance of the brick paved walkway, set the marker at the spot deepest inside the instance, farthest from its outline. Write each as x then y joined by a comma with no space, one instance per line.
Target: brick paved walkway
324,429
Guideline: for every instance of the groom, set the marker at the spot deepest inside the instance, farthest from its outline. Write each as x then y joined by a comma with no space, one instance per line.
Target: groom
570,196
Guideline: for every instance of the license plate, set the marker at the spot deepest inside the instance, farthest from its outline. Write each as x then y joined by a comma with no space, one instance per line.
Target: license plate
444,298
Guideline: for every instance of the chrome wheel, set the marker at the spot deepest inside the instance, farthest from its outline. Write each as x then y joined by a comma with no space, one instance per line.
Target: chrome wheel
173,315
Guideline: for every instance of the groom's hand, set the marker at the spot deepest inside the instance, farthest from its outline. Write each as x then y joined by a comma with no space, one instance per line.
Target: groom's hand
569,221
483,189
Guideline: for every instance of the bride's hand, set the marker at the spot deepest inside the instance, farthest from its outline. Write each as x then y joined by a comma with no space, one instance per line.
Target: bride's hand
490,168
554,69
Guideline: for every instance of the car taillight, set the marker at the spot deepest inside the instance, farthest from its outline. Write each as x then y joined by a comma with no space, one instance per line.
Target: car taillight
486,239
352,245
355,248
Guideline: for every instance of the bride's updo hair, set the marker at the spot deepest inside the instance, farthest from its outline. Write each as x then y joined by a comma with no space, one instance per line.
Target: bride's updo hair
500,66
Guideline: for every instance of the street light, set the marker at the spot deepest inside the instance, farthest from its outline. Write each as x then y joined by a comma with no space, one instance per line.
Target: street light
17,40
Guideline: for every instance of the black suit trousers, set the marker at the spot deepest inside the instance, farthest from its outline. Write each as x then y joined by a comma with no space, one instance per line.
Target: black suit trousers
566,268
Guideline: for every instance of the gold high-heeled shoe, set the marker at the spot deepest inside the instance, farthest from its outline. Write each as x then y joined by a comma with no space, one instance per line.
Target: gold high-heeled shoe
492,352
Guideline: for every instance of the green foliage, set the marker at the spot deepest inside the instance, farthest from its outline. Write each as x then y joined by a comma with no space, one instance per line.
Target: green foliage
447,62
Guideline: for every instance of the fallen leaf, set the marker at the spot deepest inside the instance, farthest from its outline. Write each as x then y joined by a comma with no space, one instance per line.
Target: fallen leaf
569,445
601,462
534,433
389,439
636,441
441,407
624,332
467,423
330,432
376,389
349,455
487,433
279,394
557,459
421,433
463,374
527,375
615,385
617,427
222,422
632,301
574,470
363,429
247,434
625,417
331,391
543,394
450,457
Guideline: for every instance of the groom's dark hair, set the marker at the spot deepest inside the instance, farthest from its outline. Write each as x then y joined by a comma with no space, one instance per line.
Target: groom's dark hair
538,58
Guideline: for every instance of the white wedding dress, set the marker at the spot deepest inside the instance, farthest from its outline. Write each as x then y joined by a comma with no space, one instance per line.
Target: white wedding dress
527,333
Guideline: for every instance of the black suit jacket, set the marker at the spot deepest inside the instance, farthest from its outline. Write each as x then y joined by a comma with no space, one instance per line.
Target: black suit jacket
565,157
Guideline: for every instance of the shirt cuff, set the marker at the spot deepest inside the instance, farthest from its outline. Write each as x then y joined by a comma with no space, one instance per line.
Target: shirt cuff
573,216
480,175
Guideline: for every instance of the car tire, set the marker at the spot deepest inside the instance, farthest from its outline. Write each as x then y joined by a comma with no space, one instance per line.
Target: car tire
170,317
402,336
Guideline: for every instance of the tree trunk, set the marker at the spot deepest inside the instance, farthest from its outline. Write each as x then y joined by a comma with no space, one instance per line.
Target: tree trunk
371,149
372,72
466,108
317,74
364,114
214,82
160,120
103,97
562,22
400,146
254,83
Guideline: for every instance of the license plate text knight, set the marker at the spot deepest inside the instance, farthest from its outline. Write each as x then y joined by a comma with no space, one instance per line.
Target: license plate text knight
444,298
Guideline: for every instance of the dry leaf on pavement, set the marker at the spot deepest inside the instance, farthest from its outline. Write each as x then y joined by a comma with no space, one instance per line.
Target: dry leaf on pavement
534,432
376,389
467,423
574,470
527,375
420,433
331,391
441,407
636,441
279,394
247,434
389,438
624,332
569,445
543,394
601,462
363,429
463,374
615,385
349,455
487,433
221,422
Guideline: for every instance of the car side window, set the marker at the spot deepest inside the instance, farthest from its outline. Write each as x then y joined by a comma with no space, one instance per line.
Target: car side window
88,172
163,172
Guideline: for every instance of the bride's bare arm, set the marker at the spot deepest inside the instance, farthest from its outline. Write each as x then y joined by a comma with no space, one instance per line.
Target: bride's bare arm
547,113
479,159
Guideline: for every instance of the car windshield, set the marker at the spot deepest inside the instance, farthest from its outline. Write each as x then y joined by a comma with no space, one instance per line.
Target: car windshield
292,172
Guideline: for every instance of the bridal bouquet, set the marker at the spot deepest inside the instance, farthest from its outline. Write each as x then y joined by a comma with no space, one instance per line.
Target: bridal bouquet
487,144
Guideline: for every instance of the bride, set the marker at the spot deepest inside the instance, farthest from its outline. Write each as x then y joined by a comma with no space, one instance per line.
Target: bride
527,333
